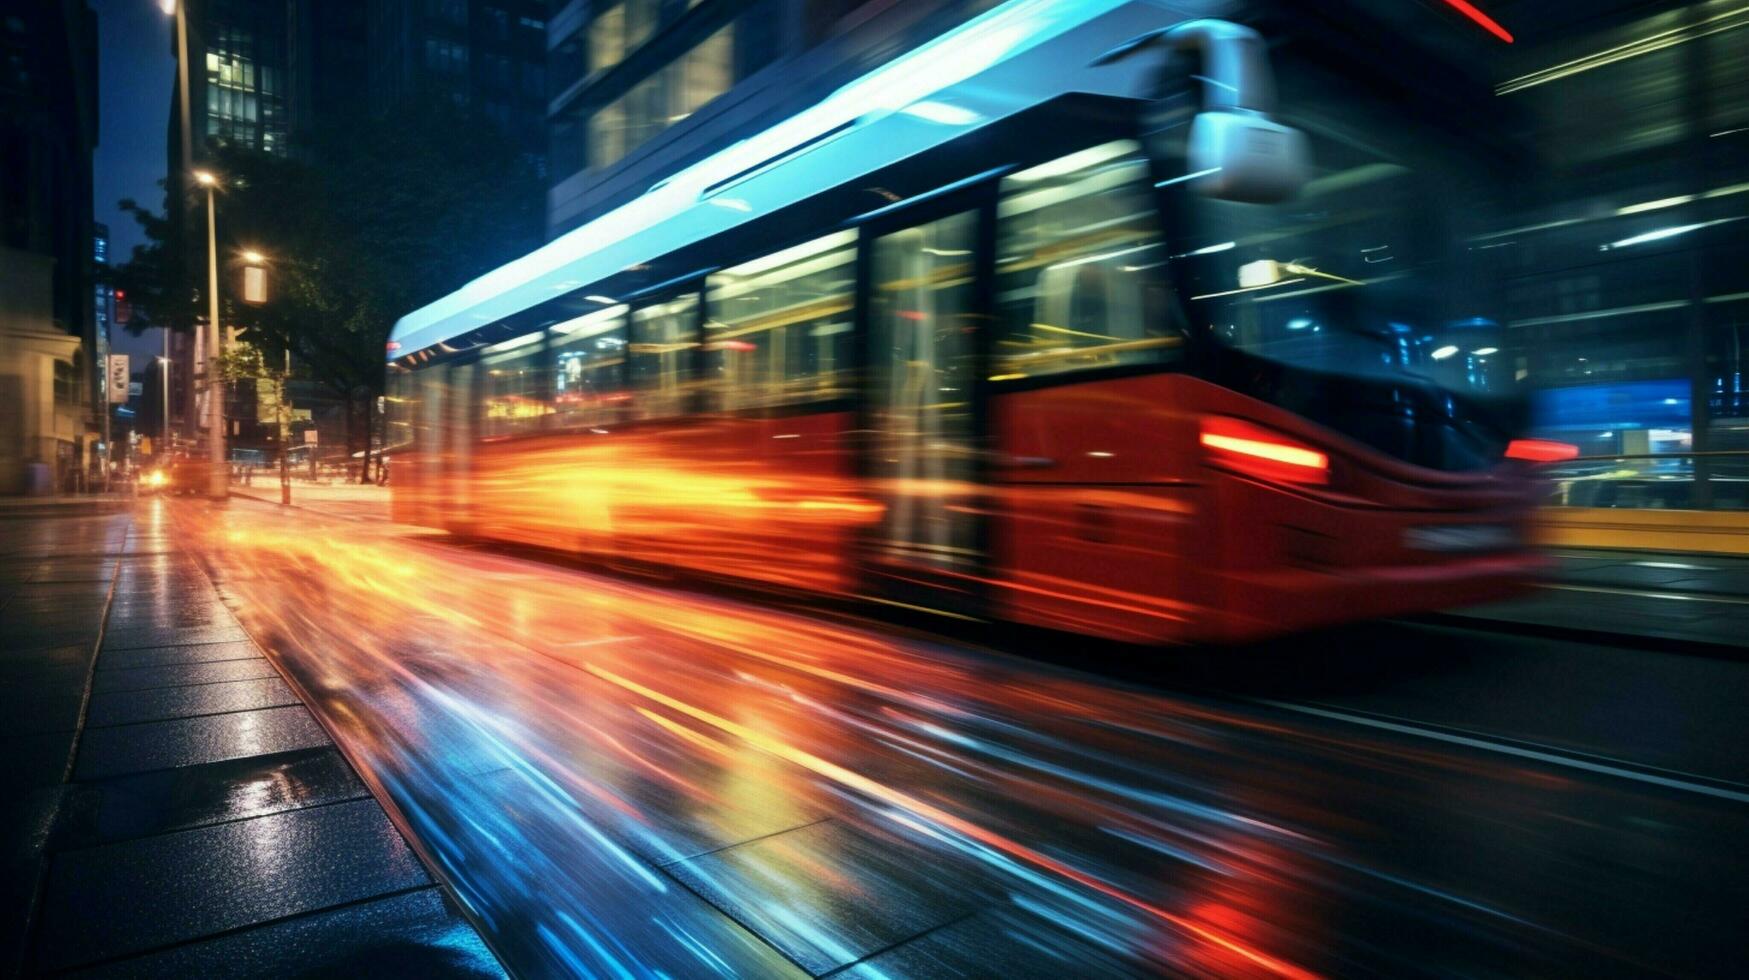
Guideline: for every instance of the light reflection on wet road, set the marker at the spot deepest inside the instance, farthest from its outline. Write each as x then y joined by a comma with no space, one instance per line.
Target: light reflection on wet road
623,779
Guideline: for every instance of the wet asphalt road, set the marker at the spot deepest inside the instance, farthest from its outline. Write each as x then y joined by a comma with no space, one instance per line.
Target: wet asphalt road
631,779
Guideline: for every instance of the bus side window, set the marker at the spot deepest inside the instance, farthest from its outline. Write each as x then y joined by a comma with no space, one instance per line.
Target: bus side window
513,393
1080,263
661,356
588,359
780,327
401,424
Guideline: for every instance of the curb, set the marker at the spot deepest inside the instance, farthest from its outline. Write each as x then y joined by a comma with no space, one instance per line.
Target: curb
1687,646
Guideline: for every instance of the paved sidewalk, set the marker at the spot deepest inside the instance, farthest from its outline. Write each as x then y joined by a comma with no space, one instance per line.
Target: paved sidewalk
167,806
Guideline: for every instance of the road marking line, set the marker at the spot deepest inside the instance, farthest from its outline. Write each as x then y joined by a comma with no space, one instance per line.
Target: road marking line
1680,596
1549,757
1617,559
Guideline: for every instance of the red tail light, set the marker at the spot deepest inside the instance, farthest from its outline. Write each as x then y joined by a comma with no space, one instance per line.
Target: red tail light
1540,450
1262,453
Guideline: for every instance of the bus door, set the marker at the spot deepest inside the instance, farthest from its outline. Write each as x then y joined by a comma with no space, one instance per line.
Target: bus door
927,289
455,501
423,490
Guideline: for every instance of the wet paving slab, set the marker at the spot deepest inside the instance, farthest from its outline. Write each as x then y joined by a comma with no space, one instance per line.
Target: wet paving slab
180,674
170,807
214,879
414,934
166,703
140,638
146,804
191,741
193,653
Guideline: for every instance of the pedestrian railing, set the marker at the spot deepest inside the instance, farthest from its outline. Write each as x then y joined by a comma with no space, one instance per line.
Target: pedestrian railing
1717,481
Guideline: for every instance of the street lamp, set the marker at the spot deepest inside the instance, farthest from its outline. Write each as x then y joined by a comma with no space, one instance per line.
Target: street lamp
218,480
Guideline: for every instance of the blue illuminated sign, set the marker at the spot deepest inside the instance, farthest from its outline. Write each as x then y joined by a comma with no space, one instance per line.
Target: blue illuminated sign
1621,405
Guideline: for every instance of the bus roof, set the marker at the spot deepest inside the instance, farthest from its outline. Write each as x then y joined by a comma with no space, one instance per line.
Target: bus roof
961,81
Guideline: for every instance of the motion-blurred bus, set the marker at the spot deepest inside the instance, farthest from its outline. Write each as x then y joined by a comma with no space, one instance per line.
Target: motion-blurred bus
1148,321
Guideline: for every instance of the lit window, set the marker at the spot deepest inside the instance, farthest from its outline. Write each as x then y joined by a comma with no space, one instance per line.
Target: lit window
588,362
663,99
1079,270
661,356
780,327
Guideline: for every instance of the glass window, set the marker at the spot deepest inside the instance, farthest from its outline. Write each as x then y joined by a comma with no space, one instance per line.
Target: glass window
607,134
498,19
1080,265
620,29
516,399
568,146
663,99
66,384
704,73
566,61
589,360
921,315
451,11
780,327
661,357
607,38
402,402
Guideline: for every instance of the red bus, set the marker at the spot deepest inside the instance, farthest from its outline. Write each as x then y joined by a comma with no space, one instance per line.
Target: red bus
1060,319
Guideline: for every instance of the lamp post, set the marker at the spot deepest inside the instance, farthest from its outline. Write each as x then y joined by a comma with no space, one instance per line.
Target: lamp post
174,9
164,421
285,435
219,480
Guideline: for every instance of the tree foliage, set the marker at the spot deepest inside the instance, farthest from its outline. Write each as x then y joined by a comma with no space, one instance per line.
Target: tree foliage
368,218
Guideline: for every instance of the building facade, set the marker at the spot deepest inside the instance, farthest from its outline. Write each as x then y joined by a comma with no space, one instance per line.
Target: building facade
48,129
642,88
1628,273
490,54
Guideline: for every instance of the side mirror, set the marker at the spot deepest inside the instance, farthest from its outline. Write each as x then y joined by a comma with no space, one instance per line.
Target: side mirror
1239,155
1235,152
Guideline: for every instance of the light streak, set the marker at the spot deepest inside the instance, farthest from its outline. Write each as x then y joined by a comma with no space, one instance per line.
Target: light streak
879,791
1621,52
1487,23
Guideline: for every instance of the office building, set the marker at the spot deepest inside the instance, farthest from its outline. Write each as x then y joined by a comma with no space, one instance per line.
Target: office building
48,129
1627,269
642,88
490,54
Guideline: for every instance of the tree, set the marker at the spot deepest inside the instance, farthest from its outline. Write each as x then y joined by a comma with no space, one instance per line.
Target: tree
369,218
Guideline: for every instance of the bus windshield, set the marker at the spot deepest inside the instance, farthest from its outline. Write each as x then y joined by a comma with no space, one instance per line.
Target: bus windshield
1370,279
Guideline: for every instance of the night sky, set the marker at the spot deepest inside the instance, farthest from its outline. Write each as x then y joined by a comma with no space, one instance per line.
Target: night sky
135,77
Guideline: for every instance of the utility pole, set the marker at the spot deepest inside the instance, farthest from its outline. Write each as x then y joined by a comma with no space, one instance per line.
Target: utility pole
178,10
219,479
285,436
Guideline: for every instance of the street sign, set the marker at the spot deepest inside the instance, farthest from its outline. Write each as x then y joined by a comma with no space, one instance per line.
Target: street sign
310,436
136,388
118,378
254,284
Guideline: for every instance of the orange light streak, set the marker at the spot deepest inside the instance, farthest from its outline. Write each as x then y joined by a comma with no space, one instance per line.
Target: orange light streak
905,801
